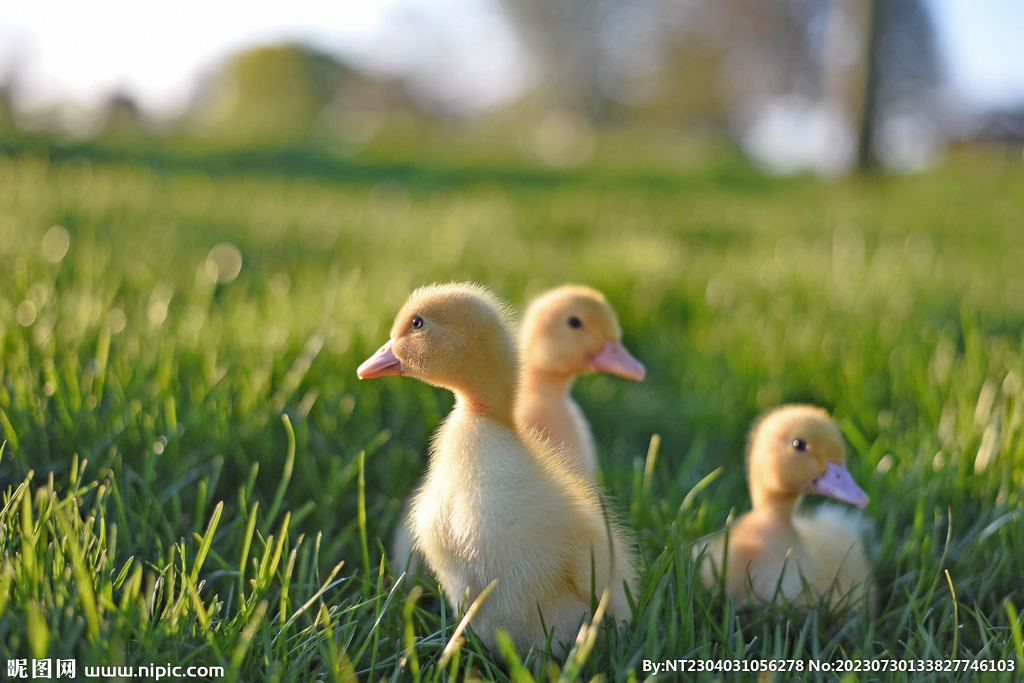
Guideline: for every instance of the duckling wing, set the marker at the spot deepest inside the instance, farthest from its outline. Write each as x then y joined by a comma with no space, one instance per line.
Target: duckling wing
833,538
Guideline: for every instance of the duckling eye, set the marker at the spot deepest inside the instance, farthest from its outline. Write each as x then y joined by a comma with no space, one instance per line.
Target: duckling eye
800,445
417,323
575,323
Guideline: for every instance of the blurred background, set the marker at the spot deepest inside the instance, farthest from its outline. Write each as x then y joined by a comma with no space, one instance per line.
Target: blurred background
820,86
210,212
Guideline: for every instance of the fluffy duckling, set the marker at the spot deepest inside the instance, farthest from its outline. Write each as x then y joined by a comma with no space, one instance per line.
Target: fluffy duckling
494,504
795,450
567,332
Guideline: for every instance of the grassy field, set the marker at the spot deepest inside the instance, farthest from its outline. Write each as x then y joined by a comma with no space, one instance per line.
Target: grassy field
194,475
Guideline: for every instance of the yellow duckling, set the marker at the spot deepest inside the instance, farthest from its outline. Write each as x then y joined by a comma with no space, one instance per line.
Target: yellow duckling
567,332
494,503
795,450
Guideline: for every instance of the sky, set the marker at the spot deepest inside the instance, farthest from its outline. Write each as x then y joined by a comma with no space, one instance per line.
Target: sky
83,51
983,46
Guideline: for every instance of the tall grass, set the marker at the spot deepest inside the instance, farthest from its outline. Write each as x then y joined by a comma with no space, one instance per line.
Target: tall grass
193,474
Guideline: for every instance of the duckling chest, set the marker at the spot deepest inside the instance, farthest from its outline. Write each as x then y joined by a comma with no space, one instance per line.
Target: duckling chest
481,488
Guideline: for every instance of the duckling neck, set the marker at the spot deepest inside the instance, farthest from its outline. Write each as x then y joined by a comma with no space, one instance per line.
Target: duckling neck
494,400
779,506
540,382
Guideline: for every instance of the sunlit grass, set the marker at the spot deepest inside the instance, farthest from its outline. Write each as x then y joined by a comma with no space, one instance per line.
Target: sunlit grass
193,474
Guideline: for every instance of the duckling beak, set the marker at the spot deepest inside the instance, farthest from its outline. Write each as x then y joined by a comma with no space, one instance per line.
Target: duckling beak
615,359
380,364
838,483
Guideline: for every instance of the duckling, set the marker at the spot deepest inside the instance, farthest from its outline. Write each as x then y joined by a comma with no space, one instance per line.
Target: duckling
794,450
567,332
494,503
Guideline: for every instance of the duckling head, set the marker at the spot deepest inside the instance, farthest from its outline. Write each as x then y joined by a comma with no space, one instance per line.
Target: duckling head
799,449
454,336
573,330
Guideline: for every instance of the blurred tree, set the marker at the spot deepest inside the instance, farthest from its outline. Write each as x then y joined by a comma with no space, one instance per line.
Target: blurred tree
724,58
764,49
120,117
596,56
674,60
869,105
726,61
289,93
269,94
8,86
902,71
6,107
688,86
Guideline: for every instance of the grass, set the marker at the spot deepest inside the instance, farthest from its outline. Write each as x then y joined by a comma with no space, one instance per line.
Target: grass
193,475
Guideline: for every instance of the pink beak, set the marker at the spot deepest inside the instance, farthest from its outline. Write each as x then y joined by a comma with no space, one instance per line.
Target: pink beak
838,483
380,364
615,359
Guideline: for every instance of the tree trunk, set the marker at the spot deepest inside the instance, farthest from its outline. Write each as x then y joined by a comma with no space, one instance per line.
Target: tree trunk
866,161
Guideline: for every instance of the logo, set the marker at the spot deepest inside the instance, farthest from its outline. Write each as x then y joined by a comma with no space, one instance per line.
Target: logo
40,668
